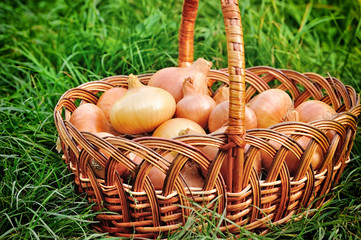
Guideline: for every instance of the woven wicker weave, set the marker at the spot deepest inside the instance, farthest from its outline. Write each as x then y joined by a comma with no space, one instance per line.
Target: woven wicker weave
136,210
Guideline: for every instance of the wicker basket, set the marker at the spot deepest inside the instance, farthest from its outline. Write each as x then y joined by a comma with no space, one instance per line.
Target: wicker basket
137,210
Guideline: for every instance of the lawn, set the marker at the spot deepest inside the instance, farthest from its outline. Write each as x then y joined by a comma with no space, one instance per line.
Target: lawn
48,47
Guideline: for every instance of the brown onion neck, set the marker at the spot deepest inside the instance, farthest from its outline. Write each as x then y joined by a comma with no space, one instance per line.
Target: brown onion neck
202,65
188,87
133,82
221,95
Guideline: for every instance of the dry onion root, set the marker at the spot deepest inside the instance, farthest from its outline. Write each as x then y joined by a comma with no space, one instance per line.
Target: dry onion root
173,127
100,170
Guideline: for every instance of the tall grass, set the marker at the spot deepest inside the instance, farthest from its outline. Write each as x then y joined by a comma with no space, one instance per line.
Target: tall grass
47,47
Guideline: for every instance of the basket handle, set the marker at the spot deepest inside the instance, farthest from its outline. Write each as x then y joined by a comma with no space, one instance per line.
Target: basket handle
237,87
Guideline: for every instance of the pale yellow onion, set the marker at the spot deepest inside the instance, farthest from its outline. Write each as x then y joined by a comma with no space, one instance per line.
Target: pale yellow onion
171,78
219,117
89,117
142,108
108,98
172,127
271,107
193,105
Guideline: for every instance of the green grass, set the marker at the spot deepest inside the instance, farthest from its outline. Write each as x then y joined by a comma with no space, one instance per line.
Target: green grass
47,47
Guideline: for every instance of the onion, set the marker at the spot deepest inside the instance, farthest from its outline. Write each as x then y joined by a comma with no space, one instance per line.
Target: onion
291,160
89,117
313,110
142,108
191,171
155,175
99,169
108,98
174,126
221,95
171,78
219,117
271,107
193,105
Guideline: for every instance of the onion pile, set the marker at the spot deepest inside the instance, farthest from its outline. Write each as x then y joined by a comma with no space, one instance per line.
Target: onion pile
176,102
306,112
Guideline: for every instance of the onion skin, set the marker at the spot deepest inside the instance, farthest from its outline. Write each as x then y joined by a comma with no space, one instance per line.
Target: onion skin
171,78
142,108
108,98
89,117
219,117
194,106
174,126
313,110
271,107
291,160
